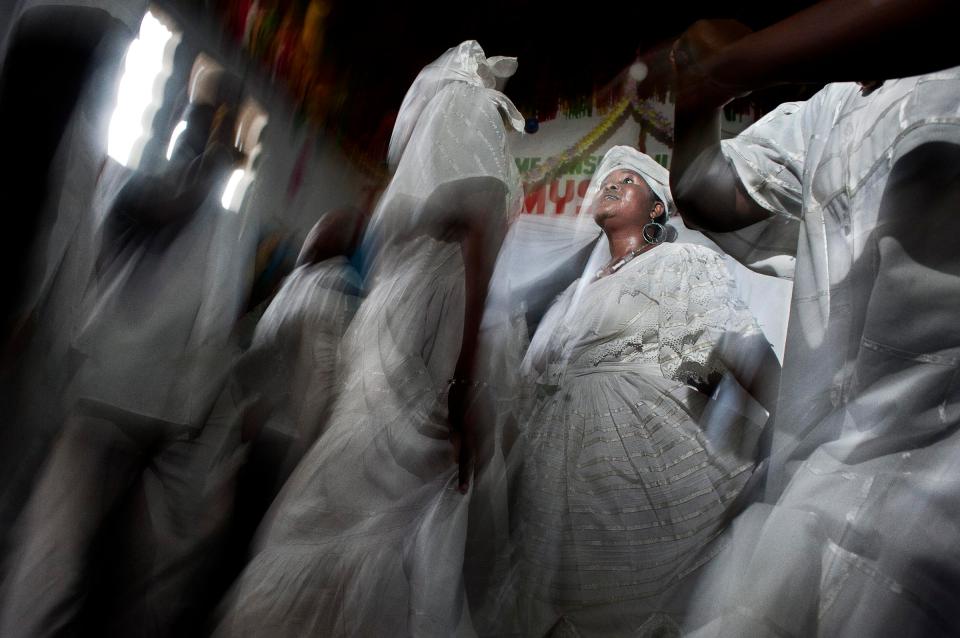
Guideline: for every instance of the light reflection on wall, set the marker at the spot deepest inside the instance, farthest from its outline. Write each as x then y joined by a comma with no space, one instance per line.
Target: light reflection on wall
230,199
251,122
175,135
146,67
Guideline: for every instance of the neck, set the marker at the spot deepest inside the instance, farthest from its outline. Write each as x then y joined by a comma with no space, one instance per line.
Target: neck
624,242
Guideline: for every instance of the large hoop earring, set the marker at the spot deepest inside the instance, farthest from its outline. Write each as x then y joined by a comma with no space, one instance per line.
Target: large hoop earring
657,231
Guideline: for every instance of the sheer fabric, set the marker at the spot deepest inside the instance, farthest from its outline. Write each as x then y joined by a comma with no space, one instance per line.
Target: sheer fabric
862,492
156,328
368,536
292,362
450,128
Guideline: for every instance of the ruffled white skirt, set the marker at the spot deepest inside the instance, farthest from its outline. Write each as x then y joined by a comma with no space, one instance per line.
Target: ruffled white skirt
623,490
367,537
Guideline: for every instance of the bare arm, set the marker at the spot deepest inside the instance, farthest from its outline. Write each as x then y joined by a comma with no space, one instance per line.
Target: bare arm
845,40
704,185
479,226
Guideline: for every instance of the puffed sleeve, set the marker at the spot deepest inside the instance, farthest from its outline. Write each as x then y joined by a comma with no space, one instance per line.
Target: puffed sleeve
698,305
769,158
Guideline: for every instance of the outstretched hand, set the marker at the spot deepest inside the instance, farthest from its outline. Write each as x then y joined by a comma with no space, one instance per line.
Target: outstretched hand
694,56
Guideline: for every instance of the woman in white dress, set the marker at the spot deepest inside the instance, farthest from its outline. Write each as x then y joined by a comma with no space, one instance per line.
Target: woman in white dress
290,369
367,537
629,468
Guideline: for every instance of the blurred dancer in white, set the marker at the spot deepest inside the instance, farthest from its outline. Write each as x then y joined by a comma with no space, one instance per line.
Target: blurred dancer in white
290,371
860,185
152,352
367,537
57,89
628,468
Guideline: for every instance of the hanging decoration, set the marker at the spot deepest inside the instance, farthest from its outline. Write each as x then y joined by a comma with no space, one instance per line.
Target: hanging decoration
287,41
650,119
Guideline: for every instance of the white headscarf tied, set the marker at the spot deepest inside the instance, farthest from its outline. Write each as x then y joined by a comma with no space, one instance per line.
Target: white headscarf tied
620,157
465,62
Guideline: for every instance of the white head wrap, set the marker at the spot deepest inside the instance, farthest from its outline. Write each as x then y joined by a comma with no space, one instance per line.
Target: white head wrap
620,157
452,126
625,157
465,62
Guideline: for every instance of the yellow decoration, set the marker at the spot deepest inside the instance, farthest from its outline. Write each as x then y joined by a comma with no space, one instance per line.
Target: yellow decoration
539,174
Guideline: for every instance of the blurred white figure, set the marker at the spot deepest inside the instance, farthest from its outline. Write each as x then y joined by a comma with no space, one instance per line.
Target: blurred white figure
860,186
57,86
152,351
292,364
367,537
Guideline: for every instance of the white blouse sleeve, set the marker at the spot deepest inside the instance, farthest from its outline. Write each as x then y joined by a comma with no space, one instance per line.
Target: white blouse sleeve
769,159
698,305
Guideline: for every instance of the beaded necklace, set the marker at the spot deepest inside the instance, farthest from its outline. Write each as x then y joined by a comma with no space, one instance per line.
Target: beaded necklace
623,261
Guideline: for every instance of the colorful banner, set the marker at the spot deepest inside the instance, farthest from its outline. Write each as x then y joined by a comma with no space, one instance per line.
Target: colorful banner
557,162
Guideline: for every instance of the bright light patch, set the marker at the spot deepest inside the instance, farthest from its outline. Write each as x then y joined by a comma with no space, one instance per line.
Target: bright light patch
143,65
231,189
638,71
175,135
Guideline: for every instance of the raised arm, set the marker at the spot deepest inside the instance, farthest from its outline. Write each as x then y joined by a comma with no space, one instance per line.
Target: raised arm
835,40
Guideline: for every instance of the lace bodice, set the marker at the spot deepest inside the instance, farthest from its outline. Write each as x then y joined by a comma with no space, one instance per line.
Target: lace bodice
668,308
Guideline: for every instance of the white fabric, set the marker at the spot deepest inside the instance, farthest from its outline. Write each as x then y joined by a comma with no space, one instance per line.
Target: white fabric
540,256
458,153
292,361
155,334
368,535
465,63
865,448
767,297
459,135
680,313
627,471
618,157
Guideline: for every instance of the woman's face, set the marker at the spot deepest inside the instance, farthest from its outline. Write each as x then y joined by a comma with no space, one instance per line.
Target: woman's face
624,199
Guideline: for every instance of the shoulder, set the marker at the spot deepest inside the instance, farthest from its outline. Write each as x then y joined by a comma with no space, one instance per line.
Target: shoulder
691,262
335,274
929,112
684,252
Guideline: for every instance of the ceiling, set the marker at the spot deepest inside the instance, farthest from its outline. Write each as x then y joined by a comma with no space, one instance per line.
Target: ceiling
373,49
